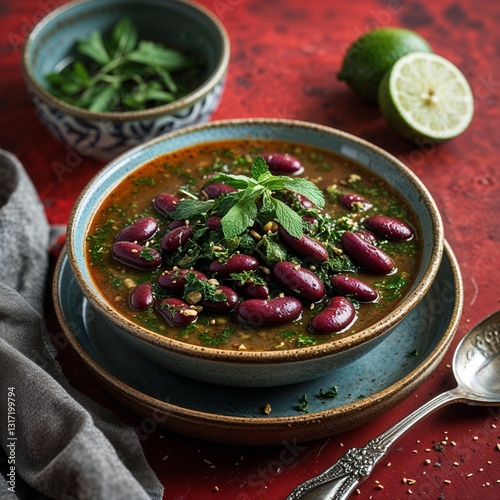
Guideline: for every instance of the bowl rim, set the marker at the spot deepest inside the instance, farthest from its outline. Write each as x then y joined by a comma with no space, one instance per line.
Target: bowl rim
263,357
217,75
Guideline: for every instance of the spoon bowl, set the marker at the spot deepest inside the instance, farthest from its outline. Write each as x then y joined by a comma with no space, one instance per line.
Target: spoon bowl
476,366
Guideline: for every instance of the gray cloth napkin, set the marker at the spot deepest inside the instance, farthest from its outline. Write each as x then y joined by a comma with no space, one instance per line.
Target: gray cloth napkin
66,446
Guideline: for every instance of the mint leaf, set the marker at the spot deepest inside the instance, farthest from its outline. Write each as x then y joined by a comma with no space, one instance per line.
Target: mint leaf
188,209
260,170
305,188
288,218
240,217
94,48
155,54
124,37
236,181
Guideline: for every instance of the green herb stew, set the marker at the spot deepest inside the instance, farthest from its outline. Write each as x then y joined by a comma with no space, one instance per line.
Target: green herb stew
254,245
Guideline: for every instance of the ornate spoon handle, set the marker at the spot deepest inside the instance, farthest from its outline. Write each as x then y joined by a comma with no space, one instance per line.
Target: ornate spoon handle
338,481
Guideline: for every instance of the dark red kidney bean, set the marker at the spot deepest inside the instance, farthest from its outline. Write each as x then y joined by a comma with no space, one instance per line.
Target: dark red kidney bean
309,219
299,281
235,264
283,164
213,223
176,238
305,246
135,255
175,224
165,203
354,201
338,315
259,312
174,281
346,285
217,189
253,291
367,235
223,306
365,254
388,227
305,202
141,297
176,312
140,231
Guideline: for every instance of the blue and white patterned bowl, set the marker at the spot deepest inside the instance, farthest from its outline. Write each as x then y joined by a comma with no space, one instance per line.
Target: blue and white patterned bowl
266,368
108,134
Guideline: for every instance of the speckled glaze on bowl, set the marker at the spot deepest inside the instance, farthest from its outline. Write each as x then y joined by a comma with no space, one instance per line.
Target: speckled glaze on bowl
104,135
257,369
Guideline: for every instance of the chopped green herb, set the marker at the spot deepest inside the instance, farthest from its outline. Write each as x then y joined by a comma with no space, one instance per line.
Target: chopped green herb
303,404
147,254
414,353
208,290
214,340
149,181
330,394
392,286
248,277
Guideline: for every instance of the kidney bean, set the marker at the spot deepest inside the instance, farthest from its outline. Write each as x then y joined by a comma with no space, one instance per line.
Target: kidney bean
174,281
224,306
259,312
310,220
305,202
140,231
175,224
235,264
365,254
283,164
176,312
217,189
213,223
354,201
338,315
141,297
358,289
165,203
176,238
366,235
305,246
300,281
253,291
135,255
388,227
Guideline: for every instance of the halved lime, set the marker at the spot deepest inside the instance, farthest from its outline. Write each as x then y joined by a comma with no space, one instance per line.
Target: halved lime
425,96
373,53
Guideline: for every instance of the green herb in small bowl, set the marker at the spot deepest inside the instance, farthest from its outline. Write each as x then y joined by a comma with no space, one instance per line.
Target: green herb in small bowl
122,73
107,76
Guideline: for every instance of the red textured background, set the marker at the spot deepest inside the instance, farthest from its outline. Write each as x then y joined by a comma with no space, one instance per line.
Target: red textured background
285,56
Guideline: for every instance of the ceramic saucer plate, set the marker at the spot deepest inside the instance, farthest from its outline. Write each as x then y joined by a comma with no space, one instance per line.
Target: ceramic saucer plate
366,388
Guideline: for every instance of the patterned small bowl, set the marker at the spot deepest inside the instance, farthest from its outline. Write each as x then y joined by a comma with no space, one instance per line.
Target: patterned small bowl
105,135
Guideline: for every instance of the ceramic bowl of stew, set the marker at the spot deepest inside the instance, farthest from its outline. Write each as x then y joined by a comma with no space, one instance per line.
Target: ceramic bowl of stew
257,306
105,132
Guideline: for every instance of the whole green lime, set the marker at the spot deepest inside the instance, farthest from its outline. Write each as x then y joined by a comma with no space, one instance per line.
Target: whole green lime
370,56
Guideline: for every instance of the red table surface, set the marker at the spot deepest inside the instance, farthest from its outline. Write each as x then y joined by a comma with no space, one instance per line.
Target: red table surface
284,60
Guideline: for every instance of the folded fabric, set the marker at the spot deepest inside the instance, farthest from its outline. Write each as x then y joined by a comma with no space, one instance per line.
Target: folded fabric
55,442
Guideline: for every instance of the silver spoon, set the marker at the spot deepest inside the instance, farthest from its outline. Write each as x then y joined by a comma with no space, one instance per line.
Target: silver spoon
476,366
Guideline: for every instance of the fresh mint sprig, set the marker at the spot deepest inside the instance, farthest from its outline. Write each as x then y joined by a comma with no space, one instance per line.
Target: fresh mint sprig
254,196
122,72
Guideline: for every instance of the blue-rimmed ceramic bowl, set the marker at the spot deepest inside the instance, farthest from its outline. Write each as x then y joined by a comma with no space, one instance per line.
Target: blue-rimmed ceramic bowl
241,368
104,135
